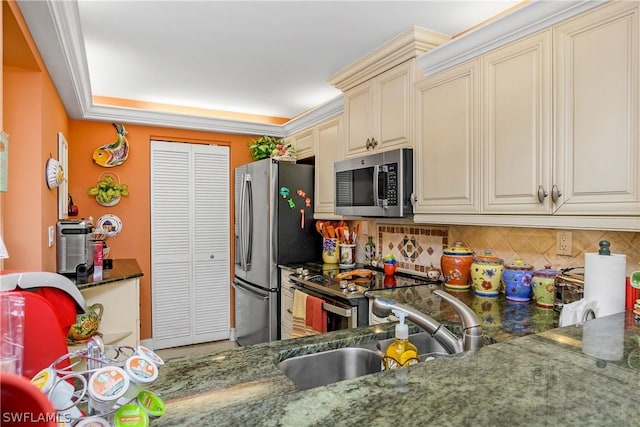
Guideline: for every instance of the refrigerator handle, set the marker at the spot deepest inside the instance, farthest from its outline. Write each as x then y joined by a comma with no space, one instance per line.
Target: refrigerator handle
249,249
241,231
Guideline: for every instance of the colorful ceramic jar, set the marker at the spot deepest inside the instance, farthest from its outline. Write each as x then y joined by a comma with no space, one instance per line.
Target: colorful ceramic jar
517,280
456,263
330,253
486,274
543,285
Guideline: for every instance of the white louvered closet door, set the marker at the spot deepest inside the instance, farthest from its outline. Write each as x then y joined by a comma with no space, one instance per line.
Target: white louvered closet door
189,243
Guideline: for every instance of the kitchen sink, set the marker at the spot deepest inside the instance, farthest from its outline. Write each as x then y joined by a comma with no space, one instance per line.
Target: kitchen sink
328,367
428,347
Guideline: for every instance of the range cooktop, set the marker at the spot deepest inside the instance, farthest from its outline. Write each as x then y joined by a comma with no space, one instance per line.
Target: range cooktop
350,284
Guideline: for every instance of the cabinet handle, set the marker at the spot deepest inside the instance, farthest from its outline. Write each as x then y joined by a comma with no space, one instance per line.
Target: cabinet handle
374,143
555,193
368,145
541,194
289,311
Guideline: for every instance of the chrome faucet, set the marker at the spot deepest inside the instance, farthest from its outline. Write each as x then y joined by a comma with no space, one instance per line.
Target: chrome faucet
471,339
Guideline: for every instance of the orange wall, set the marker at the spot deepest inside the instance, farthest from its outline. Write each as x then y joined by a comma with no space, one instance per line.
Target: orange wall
32,116
134,211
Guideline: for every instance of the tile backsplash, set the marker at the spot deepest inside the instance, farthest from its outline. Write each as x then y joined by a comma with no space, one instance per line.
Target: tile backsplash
417,247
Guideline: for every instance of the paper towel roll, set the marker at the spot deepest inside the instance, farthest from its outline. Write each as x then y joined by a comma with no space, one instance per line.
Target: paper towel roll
604,282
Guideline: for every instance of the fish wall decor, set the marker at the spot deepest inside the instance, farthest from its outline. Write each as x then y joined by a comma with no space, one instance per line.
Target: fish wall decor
114,153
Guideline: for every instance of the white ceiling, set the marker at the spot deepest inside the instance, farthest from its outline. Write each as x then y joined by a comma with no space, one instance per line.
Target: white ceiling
259,57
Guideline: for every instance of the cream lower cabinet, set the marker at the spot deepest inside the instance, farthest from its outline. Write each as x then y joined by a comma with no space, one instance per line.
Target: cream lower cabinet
378,113
447,149
597,90
517,114
120,323
286,305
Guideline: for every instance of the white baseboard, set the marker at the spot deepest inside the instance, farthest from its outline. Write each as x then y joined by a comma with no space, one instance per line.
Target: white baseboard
232,334
148,342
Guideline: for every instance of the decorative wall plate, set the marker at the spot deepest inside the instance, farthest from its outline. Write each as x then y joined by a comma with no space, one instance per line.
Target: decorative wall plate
54,173
110,223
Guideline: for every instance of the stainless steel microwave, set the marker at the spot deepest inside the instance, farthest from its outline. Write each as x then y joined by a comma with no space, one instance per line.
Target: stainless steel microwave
377,185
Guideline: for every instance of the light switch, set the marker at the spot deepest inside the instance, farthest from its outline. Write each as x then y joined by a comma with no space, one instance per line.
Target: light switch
51,235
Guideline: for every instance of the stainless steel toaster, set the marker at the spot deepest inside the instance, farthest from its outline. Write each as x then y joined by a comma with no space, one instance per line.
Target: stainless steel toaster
74,247
568,286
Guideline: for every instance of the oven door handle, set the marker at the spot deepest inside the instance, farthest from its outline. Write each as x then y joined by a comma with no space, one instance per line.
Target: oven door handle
337,310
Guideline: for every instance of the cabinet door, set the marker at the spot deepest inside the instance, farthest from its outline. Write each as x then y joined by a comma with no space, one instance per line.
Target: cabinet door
448,141
329,139
596,104
516,142
286,305
304,143
393,122
358,118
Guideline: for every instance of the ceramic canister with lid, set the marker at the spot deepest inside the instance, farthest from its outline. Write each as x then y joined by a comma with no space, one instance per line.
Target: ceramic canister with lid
486,274
543,284
517,278
455,263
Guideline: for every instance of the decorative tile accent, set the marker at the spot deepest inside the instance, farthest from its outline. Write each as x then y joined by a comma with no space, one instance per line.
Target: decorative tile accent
417,247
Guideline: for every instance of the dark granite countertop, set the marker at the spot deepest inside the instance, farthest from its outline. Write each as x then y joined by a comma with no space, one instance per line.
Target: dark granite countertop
123,269
502,319
577,375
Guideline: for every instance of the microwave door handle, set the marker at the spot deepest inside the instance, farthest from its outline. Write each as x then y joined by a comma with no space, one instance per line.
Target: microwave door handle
376,174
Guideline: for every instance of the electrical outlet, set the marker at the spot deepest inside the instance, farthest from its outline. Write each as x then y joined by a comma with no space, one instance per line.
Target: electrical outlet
51,235
563,243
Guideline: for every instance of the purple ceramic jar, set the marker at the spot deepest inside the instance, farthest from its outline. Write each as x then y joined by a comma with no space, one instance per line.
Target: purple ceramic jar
516,279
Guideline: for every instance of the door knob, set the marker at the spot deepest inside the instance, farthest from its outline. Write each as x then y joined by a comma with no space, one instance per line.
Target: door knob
212,256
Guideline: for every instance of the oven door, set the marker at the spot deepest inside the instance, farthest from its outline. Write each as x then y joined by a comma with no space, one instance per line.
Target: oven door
339,314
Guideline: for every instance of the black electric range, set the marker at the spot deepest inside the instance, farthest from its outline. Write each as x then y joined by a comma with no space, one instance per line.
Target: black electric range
349,284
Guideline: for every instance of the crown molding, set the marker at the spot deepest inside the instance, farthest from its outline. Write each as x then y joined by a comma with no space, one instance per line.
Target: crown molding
521,22
55,27
405,46
314,116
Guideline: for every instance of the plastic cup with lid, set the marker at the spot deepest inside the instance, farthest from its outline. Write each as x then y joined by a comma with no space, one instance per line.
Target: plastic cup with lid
151,403
131,415
141,371
150,354
92,422
59,391
106,386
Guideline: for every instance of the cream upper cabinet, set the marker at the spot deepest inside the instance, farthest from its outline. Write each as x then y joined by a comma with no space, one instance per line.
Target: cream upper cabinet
329,136
378,113
516,127
304,143
447,149
597,152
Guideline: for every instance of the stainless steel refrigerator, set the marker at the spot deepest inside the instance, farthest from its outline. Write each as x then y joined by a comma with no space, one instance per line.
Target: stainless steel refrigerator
273,226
